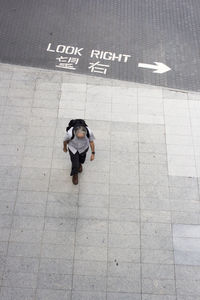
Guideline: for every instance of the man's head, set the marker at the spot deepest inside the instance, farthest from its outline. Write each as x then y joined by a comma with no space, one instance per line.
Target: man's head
80,132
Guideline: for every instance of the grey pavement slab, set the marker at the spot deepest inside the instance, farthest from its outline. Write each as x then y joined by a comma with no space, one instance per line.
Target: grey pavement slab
130,229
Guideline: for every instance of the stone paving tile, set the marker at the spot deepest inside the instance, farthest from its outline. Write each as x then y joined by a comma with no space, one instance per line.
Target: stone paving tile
156,242
59,224
158,297
44,103
93,213
123,296
119,202
12,140
153,158
43,121
124,284
184,272
4,234
92,225
90,268
128,140
189,287
45,94
190,231
187,244
19,280
6,207
2,265
56,266
11,149
124,214
3,248
157,256
148,169
156,229
124,190
164,286
177,139
188,297
185,205
186,217
22,264
62,186
29,209
5,74
90,253
99,166
89,283
124,227
155,216
58,237
178,181
52,294
24,249
124,241
128,230
29,236
187,258
153,180
124,269
88,295
25,84
55,209
157,192
9,293
184,193
5,221
4,92
54,281
158,271
89,239
20,93
174,94
122,156
38,131
89,200
31,197
124,255
28,222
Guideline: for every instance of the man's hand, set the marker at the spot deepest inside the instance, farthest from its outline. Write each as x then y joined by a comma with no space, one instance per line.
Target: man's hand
92,157
64,149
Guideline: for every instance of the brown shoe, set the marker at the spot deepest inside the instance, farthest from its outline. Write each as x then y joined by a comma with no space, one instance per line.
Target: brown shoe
75,179
80,169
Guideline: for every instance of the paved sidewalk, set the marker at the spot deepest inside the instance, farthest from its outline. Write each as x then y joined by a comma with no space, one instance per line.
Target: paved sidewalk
131,229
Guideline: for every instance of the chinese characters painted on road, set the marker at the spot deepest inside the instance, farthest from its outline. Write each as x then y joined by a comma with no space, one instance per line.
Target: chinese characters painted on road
71,55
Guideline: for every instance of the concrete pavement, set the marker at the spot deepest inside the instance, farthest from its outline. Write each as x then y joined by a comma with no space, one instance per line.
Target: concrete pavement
131,228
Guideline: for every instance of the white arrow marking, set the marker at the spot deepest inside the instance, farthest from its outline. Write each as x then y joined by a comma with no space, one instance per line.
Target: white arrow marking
159,67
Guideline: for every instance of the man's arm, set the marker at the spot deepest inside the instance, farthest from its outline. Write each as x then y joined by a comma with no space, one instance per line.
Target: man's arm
92,150
65,146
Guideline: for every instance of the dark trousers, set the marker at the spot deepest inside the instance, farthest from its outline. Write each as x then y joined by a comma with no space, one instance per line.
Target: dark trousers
77,159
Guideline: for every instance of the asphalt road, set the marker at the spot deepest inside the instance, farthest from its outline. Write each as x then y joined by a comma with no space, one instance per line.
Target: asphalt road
119,39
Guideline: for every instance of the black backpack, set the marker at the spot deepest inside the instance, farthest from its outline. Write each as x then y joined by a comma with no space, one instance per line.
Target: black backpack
76,123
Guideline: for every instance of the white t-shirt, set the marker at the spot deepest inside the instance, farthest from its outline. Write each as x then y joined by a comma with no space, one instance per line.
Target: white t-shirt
77,144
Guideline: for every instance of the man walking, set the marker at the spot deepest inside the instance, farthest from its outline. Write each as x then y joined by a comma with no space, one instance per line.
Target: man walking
78,138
